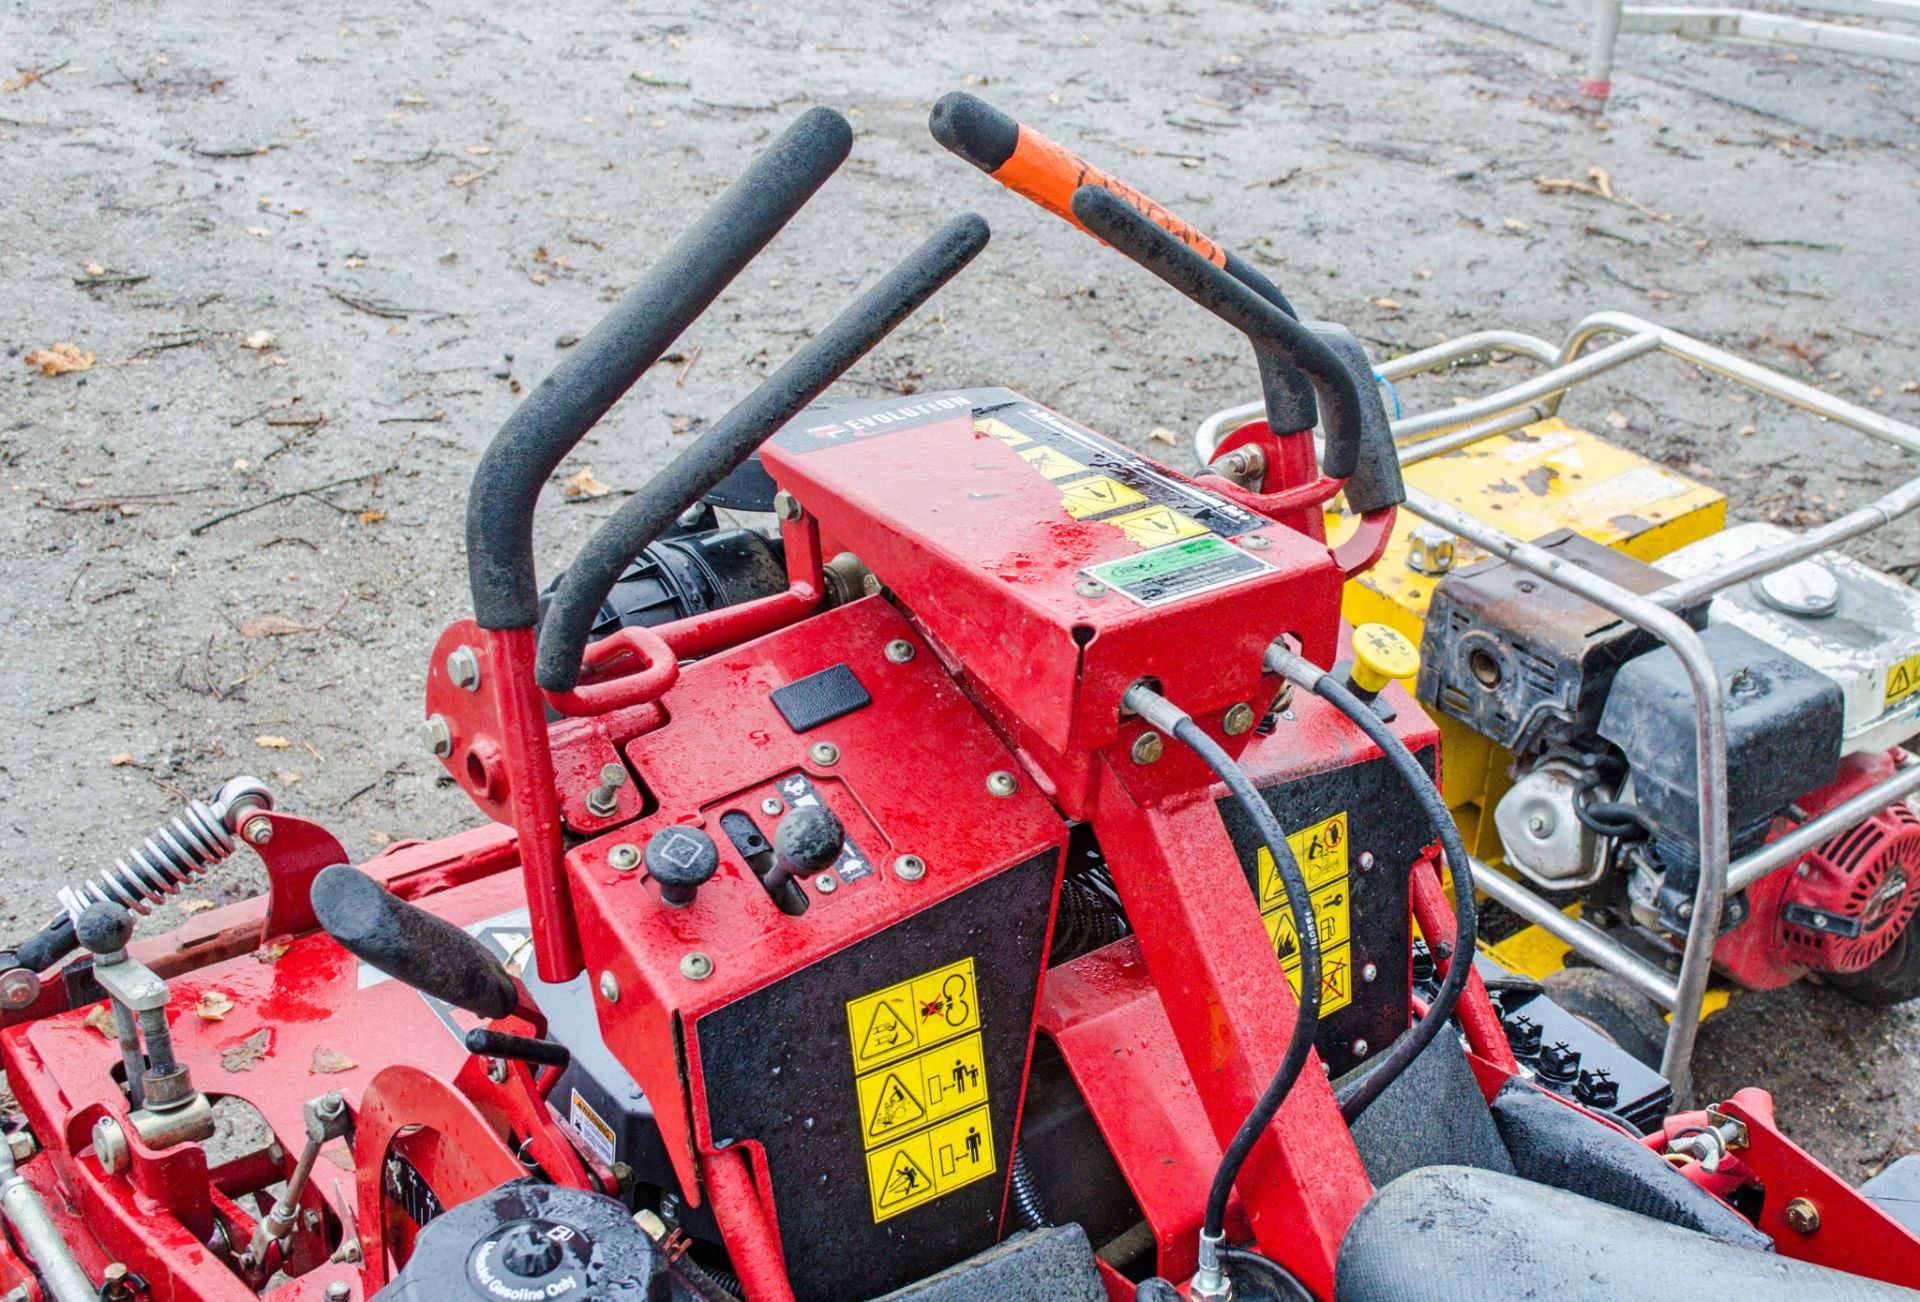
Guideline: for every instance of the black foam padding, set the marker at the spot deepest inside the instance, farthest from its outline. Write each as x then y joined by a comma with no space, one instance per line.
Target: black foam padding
618,351
975,130
1054,1264
696,471
1455,1234
1555,1145
409,944
1342,401
1375,482
809,702
1431,1115
1896,1191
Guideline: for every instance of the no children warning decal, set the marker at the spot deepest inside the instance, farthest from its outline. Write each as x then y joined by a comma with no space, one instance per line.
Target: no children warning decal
920,1075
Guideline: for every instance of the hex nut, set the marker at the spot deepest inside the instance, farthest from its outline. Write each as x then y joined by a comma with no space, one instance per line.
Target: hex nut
1803,1217
436,736
1148,748
1238,719
786,506
463,668
18,988
1431,550
258,830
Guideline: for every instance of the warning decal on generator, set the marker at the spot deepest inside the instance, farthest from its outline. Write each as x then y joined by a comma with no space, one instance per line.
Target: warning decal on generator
920,1074
1903,680
1322,853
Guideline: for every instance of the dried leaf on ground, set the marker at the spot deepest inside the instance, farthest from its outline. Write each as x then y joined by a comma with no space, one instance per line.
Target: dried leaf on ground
121,760
582,485
372,517
273,626
259,341
61,358
242,1056
191,907
268,742
327,1061
272,953
101,1020
213,1006
1161,434
1387,304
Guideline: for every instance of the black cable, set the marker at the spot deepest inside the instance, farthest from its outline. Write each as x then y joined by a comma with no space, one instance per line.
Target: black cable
1281,1284
1306,1019
1608,817
1356,1098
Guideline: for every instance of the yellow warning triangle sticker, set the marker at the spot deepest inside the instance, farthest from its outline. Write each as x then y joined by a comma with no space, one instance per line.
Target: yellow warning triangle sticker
895,1107
905,1180
886,1033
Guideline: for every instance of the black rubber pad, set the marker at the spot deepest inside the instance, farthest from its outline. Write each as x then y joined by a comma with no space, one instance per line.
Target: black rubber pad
820,698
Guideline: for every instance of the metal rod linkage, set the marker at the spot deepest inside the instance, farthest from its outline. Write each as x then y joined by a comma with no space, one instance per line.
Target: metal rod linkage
1816,832
1591,941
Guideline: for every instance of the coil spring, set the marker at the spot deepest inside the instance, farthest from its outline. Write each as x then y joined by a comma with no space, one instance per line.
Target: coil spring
1026,1194
194,841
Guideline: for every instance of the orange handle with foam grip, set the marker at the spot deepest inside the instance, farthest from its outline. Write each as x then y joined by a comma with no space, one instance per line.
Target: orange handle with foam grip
1048,173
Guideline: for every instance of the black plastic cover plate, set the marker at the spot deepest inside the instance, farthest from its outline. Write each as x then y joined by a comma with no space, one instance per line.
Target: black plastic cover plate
820,698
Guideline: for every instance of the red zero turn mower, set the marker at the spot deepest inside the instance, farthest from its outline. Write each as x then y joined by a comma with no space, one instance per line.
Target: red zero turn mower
1000,884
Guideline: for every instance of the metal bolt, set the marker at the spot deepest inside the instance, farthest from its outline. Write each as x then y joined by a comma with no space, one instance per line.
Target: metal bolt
339,1290
824,753
1366,860
18,989
20,1146
110,1146
497,1070
1256,542
786,506
1540,825
610,987
691,517
910,867
899,650
1369,974
1802,1216
695,966
1431,550
826,883
1092,589
311,1219
435,736
623,858
463,668
604,800
869,584
115,1273
258,830
1002,783
771,805
1686,908
1148,747
1360,1048
1238,719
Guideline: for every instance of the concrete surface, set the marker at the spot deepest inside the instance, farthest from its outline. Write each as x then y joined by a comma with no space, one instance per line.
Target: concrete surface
417,202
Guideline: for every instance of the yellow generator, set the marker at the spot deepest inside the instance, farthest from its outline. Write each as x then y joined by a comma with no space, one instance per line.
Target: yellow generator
1674,742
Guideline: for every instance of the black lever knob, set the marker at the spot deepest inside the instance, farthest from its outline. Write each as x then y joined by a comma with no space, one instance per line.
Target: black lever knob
808,840
681,859
409,944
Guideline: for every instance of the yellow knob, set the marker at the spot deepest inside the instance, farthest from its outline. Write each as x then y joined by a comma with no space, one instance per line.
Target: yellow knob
1382,655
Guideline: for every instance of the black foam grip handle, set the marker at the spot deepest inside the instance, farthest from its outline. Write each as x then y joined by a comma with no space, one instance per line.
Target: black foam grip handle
1375,482
628,340
576,604
972,129
1341,397
409,944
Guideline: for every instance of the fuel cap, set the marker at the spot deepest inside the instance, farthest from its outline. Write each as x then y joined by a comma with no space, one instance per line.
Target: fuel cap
1808,589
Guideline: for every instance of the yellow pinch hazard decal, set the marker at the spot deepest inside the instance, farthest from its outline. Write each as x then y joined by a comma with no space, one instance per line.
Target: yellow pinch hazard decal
1322,852
920,1075
1096,496
1903,680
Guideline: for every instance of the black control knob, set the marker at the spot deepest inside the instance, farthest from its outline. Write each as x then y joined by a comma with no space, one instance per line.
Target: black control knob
1559,1063
808,840
526,1252
104,927
682,859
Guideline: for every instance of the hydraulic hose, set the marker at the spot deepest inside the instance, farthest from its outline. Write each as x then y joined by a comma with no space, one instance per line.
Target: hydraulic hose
1302,672
1164,715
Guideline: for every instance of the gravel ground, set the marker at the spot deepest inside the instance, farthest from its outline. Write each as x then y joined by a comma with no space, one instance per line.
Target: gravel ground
316,254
